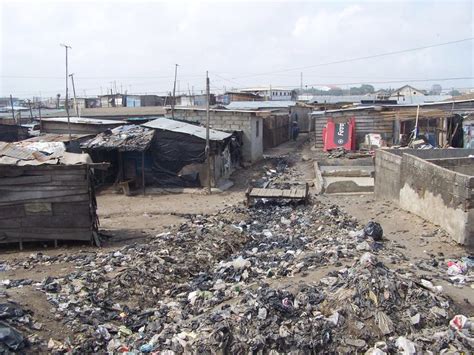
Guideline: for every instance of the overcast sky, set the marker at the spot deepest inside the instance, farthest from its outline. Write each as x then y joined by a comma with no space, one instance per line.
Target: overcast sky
240,43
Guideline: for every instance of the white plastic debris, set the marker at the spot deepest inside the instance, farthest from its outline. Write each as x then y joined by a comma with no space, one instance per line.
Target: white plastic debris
407,347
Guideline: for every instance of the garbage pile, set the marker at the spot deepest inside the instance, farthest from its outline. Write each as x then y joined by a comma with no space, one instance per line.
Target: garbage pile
12,320
247,280
353,309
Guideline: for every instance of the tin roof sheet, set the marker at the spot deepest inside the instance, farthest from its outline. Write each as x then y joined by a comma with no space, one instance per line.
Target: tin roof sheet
186,128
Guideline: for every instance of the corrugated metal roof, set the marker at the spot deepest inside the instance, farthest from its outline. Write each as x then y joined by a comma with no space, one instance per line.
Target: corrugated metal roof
123,138
186,128
38,153
395,106
256,105
82,120
52,137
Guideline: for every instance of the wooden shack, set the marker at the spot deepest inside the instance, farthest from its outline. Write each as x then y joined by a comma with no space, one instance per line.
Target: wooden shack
45,198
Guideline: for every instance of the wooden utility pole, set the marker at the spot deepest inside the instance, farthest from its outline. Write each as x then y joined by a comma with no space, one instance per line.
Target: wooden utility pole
13,109
208,150
31,111
67,93
74,93
174,91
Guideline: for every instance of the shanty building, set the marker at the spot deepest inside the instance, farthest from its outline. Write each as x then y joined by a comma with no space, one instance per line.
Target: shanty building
270,93
46,195
125,148
298,112
162,152
179,154
249,123
232,96
77,125
439,122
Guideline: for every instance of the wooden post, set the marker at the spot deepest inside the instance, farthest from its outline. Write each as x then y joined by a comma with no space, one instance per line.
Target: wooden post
416,122
67,93
74,93
208,148
143,172
173,103
31,111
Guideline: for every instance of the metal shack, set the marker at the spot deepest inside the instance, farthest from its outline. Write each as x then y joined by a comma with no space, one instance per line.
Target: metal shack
46,194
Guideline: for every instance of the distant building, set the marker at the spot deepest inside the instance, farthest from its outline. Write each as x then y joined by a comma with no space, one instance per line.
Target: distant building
124,100
272,94
407,94
380,94
86,102
143,100
234,96
112,100
195,100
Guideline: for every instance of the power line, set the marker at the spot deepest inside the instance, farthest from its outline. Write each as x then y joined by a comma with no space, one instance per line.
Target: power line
358,58
405,80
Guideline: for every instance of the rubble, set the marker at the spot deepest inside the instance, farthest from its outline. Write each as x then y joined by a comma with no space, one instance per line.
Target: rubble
277,277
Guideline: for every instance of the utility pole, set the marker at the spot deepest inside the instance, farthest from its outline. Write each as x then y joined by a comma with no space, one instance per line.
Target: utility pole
67,101
174,91
74,92
208,148
31,111
13,110
301,83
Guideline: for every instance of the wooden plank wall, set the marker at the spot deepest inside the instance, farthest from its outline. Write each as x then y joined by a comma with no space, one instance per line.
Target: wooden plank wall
366,122
276,130
47,202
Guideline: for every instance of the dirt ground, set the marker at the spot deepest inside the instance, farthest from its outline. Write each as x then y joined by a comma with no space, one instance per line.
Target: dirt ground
126,219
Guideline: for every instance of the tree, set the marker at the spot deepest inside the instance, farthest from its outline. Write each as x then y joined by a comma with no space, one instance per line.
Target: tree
436,89
367,89
355,91
454,92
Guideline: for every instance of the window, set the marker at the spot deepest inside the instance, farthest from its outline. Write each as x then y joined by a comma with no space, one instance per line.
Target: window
257,128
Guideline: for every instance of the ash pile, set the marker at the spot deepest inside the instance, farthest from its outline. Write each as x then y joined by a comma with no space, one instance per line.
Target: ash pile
274,278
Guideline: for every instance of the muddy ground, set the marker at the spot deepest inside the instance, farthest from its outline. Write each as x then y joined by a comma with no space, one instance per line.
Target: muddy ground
127,219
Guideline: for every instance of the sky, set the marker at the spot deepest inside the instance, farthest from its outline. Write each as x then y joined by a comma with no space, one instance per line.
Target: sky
133,46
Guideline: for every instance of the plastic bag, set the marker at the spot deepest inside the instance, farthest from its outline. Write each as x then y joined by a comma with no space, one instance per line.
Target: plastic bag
11,337
374,230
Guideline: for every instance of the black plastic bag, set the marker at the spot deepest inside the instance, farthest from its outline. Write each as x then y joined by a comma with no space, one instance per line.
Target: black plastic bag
11,337
374,230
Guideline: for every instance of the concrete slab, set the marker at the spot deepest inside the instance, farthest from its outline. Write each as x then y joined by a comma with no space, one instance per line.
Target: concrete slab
338,184
347,171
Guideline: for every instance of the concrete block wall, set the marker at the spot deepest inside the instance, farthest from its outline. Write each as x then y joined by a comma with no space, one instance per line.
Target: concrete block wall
431,189
252,149
387,175
459,165
438,195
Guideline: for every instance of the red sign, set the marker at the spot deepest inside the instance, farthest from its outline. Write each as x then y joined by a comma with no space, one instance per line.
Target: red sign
339,135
